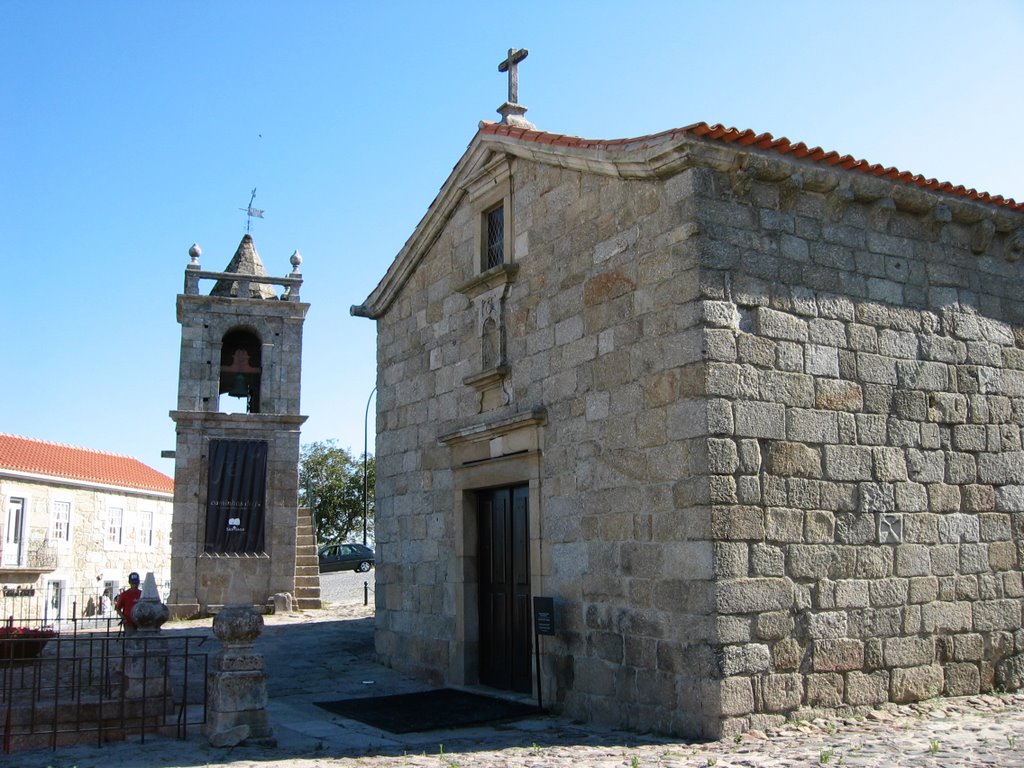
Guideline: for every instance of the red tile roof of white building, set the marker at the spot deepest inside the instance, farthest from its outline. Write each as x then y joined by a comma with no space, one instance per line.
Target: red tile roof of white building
54,460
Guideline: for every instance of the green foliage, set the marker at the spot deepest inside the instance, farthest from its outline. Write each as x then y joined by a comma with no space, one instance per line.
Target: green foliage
331,484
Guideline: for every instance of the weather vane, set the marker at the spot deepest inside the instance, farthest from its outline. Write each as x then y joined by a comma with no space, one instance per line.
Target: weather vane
250,212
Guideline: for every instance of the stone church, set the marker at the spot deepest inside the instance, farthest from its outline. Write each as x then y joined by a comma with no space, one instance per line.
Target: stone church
749,412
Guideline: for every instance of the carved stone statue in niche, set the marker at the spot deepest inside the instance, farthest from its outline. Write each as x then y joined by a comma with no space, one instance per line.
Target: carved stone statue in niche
490,333
492,380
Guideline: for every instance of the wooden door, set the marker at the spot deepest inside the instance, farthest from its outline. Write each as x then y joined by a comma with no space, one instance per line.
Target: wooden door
504,548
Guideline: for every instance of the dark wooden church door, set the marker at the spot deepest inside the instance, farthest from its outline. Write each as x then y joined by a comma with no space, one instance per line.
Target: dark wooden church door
504,547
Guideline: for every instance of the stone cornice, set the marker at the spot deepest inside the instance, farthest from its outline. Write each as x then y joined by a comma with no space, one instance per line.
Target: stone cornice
289,310
488,430
238,420
488,378
486,281
661,157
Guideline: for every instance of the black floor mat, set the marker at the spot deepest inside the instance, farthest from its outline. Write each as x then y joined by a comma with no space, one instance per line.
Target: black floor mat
429,710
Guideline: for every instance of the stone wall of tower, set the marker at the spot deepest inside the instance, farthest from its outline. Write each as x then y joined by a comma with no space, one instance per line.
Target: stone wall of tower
204,321
200,579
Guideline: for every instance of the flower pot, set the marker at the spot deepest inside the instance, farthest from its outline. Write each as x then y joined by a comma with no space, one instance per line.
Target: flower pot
22,644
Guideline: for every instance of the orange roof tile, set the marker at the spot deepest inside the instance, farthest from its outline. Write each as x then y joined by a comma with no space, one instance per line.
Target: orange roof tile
38,457
764,141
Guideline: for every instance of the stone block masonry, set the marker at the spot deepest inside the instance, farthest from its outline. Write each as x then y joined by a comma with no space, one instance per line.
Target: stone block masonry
889,422
205,573
769,413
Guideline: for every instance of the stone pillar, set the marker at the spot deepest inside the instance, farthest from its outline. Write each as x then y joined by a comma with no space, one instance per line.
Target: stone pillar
236,712
145,663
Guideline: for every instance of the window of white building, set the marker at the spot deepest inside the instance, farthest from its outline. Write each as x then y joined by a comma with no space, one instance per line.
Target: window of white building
61,529
146,528
115,519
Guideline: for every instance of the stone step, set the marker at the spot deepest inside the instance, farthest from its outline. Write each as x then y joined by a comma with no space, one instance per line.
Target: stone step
307,563
46,726
92,710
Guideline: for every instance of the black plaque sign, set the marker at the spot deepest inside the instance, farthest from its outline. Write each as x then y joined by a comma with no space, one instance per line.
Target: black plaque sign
236,496
19,591
544,615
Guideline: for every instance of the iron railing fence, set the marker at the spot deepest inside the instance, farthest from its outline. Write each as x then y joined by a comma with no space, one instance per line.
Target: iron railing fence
82,608
97,685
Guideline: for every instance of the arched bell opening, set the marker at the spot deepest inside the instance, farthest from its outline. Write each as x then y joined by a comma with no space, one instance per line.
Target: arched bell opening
240,371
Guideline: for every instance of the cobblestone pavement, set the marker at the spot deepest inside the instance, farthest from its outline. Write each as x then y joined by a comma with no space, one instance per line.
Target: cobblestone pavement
325,655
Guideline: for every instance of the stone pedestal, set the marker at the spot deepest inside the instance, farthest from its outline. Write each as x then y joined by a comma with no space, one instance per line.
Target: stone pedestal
145,667
236,712
144,675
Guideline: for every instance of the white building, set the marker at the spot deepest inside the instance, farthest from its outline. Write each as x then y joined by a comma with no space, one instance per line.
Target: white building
75,522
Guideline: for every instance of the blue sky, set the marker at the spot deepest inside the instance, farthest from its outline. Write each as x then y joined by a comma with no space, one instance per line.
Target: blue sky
130,130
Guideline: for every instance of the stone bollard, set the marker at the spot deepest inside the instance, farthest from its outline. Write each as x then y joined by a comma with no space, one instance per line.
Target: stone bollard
145,663
282,602
237,708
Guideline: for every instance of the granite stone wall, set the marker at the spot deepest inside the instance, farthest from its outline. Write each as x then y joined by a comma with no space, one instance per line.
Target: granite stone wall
200,579
865,353
87,557
781,462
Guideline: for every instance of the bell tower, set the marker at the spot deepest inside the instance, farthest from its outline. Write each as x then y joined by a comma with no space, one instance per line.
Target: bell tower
233,536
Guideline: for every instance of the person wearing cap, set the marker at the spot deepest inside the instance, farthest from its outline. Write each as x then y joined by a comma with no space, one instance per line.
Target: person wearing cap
126,601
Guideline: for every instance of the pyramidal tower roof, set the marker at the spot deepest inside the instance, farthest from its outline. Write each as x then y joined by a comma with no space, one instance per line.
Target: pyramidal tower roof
246,261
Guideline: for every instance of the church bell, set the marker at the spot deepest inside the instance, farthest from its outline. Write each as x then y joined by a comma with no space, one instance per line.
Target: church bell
239,386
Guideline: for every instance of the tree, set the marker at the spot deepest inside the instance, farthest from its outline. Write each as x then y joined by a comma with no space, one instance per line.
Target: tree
331,484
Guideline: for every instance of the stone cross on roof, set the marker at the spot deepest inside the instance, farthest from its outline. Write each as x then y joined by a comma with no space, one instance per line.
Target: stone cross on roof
511,65
511,112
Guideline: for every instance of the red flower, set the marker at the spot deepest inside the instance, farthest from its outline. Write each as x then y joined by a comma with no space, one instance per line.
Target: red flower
25,633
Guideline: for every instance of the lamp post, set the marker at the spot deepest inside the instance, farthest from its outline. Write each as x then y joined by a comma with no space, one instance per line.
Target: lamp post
366,422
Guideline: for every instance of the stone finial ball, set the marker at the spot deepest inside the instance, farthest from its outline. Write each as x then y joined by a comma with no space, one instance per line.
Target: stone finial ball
150,613
296,259
237,624
195,251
